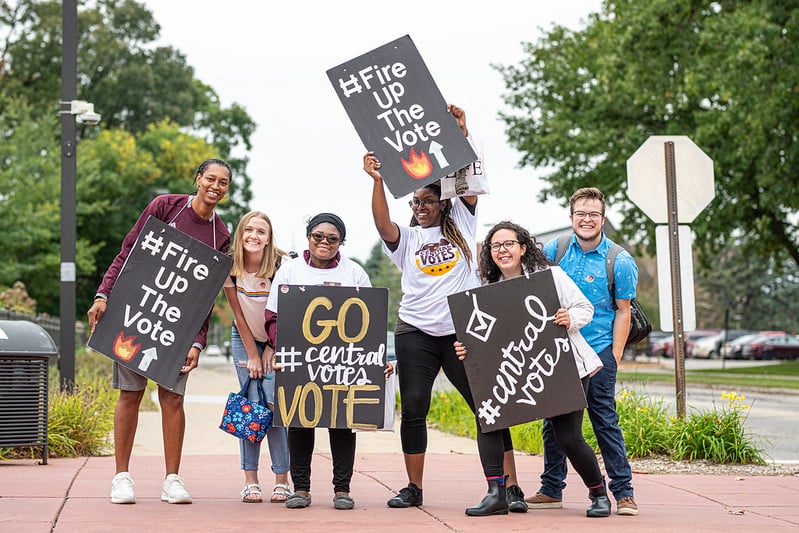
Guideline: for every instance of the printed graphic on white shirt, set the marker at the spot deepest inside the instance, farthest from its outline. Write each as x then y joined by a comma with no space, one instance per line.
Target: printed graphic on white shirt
437,258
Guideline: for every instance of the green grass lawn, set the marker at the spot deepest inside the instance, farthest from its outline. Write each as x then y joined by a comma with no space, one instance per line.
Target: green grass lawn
781,376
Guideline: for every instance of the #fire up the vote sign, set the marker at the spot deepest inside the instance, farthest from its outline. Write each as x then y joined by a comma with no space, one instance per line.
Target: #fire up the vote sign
400,115
331,344
159,302
519,364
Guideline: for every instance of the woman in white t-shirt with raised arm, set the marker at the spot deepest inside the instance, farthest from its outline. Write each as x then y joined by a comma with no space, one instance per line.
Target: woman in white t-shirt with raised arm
255,261
435,255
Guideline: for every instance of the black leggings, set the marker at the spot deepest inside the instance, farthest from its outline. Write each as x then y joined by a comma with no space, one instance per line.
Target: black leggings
568,430
419,358
342,448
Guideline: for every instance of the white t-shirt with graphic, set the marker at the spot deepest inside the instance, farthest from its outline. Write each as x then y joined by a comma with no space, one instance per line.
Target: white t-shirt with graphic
433,268
347,273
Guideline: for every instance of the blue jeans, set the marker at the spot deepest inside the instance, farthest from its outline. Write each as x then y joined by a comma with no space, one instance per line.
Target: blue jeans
277,437
601,398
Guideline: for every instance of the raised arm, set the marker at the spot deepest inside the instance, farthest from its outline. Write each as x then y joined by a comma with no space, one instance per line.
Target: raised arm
387,229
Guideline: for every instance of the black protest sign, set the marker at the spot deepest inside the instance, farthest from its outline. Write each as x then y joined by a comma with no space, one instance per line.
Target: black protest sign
400,115
331,345
520,365
159,302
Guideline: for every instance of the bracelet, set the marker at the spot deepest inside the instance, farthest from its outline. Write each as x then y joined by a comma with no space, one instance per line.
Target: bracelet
99,299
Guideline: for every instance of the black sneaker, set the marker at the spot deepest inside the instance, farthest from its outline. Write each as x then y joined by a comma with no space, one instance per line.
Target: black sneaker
410,496
516,503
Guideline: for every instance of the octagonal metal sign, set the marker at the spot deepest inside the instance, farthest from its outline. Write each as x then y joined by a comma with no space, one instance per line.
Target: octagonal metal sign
646,178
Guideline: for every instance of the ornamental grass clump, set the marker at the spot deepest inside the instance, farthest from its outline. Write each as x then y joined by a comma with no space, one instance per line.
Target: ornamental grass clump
718,435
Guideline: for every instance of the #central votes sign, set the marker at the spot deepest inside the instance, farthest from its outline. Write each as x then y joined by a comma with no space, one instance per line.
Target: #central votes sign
520,365
400,115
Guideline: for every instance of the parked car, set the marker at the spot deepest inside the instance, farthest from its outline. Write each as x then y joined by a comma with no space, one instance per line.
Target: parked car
774,347
660,343
739,348
710,347
692,336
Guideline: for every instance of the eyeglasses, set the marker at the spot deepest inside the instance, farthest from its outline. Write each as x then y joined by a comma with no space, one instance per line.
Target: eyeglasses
416,203
319,237
593,215
508,245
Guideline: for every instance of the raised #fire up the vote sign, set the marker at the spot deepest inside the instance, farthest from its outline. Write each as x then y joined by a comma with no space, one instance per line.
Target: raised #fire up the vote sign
159,302
331,345
400,115
519,364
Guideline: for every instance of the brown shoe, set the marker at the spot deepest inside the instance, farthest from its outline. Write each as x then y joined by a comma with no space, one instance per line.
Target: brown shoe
542,501
626,506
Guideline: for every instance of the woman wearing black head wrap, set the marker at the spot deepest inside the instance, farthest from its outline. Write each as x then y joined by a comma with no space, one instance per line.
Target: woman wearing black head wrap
320,264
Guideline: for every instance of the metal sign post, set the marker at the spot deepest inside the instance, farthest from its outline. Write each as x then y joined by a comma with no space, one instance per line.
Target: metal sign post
676,288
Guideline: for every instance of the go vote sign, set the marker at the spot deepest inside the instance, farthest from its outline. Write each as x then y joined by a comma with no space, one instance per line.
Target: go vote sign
159,302
400,115
331,345
520,365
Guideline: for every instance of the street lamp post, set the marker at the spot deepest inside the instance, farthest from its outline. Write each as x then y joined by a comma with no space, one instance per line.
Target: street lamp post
69,89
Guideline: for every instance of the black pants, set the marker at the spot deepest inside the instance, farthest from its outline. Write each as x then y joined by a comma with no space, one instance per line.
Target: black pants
342,448
419,358
568,430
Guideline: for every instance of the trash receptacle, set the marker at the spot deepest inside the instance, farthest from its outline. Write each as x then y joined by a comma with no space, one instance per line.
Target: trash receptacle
25,352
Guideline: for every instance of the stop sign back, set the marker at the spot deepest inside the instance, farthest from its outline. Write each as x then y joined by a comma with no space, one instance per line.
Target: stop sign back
646,178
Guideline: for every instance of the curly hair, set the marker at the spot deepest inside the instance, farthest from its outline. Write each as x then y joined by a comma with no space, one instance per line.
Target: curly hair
448,226
532,260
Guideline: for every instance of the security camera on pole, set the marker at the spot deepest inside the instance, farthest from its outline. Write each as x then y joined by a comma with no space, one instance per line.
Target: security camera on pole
671,180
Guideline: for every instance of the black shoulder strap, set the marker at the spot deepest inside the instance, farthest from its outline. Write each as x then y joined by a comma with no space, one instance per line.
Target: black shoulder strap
610,262
563,245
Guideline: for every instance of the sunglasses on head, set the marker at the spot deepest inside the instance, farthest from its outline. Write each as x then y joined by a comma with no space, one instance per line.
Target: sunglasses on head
319,237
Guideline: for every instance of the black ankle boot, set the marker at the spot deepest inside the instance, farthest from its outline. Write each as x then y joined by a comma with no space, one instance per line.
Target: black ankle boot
494,502
600,504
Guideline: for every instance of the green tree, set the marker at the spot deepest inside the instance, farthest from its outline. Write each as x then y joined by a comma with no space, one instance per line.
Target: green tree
159,123
747,287
132,82
724,73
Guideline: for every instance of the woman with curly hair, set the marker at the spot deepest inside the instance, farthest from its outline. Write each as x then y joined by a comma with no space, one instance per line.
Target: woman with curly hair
509,251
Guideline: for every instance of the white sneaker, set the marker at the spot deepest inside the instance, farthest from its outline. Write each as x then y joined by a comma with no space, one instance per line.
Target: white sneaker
122,489
174,490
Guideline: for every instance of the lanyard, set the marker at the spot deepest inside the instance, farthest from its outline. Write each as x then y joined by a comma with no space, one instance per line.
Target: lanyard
212,219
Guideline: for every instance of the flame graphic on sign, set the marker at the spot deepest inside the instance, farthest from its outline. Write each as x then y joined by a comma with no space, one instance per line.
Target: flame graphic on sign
418,166
125,348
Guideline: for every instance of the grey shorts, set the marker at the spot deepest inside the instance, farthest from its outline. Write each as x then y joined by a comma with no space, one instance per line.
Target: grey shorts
126,379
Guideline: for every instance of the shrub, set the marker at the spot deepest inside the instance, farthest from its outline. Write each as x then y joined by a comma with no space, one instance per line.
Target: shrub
718,435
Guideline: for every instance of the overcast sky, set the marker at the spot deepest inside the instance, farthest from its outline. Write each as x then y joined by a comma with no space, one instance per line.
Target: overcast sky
272,57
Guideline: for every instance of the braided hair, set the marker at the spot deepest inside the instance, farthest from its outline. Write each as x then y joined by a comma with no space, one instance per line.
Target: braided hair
448,226
213,161
532,260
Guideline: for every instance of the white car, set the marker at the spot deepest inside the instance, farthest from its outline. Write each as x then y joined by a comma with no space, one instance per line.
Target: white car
710,347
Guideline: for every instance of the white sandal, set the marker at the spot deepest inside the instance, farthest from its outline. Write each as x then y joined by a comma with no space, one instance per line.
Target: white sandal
280,493
252,494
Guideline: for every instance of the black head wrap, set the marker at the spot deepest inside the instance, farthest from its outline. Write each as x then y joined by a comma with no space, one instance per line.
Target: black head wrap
326,217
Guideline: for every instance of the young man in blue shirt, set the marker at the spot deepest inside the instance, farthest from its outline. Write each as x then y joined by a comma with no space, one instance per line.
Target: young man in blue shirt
584,262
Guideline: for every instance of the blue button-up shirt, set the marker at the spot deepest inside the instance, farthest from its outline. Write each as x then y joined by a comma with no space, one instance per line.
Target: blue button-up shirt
588,270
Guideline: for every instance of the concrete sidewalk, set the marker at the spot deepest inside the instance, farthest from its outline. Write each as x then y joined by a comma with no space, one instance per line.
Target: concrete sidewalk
72,495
